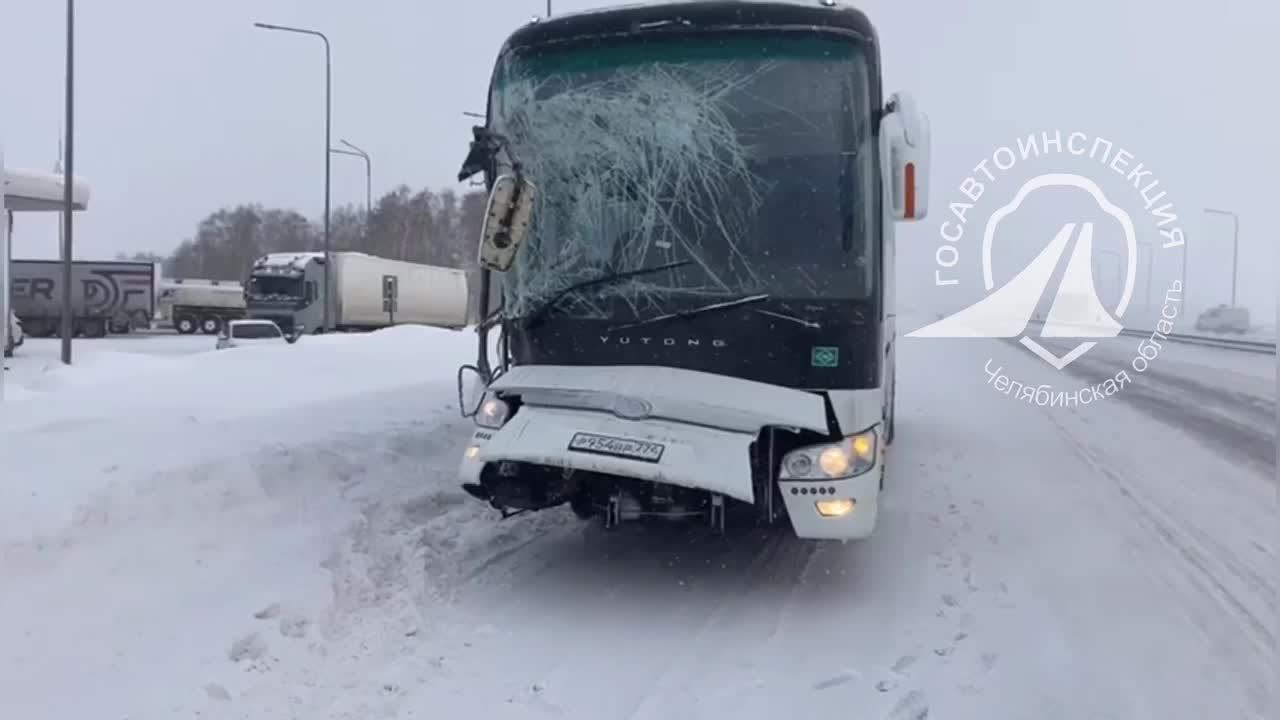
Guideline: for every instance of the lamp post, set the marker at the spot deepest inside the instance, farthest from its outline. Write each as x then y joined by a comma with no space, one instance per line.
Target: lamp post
1118,265
1151,257
368,174
328,123
1235,246
4,271
1184,274
548,8
67,187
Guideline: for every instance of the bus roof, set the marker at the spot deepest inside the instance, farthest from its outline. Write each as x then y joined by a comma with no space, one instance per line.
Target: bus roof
692,15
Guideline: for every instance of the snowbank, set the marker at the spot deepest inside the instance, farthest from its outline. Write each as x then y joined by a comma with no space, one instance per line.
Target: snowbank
77,430
272,533
316,368
171,528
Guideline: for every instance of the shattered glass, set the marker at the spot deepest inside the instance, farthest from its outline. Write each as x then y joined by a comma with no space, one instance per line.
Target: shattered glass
749,156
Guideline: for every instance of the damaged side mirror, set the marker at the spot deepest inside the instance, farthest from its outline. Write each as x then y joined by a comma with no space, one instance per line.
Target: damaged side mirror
471,394
506,222
904,133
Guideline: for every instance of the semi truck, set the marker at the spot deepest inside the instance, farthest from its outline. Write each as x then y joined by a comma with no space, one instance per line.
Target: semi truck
106,296
365,293
200,305
688,267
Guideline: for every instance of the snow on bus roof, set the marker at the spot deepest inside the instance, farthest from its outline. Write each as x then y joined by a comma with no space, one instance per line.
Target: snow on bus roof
663,3
639,17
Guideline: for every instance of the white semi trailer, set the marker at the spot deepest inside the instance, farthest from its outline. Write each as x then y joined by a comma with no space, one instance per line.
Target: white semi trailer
366,292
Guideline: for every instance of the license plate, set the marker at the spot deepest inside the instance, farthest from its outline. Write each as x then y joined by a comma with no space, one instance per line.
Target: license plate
641,450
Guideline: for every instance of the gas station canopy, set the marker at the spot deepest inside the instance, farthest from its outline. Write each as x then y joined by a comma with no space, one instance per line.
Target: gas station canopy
34,191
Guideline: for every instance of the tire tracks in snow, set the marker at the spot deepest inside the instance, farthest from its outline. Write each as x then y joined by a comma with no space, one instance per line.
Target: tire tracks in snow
1232,423
389,565
681,586
951,653
1200,566
781,552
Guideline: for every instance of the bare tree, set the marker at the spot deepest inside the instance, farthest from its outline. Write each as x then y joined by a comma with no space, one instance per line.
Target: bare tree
424,226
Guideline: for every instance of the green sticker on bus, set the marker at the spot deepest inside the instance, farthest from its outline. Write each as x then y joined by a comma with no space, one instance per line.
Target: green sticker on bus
824,356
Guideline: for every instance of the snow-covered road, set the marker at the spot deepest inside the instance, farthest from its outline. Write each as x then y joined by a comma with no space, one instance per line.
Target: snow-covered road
276,534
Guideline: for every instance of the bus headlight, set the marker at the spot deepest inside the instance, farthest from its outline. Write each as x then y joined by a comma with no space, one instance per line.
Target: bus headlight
493,413
851,457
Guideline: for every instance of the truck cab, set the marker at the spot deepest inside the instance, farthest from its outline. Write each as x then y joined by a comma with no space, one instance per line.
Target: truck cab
285,289
688,266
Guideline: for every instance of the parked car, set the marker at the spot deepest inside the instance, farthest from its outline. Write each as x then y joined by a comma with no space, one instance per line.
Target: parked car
1224,319
16,336
242,333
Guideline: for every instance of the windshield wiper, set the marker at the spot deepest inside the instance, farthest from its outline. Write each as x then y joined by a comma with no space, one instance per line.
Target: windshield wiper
695,311
792,318
537,315
845,189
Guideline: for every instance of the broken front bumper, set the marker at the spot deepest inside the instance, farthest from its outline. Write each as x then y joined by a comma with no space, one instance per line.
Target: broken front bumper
716,461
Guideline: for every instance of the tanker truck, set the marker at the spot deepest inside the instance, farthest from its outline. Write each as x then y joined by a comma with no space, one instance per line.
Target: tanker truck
203,305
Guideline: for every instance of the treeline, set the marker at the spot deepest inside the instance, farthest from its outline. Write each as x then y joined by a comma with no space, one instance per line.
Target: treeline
437,228
426,226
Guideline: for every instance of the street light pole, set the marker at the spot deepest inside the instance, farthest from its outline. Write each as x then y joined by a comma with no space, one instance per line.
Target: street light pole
328,124
368,173
4,271
1235,247
1151,258
67,188
548,8
1119,264
1184,274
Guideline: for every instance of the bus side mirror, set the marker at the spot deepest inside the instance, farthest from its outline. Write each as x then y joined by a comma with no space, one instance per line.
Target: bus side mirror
904,133
472,384
506,222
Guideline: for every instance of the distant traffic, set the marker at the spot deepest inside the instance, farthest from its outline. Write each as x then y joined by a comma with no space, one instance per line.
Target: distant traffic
119,297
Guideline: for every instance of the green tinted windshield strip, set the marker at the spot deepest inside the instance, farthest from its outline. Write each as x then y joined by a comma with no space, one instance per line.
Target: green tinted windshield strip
719,47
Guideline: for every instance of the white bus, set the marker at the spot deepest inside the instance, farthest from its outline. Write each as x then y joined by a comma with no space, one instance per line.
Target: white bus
688,259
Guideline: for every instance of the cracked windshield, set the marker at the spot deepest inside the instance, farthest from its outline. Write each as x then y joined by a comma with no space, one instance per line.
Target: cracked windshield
595,359
719,152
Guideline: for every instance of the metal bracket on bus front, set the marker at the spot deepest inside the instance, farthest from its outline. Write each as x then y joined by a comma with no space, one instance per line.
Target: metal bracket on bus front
768,507
717,513
613,511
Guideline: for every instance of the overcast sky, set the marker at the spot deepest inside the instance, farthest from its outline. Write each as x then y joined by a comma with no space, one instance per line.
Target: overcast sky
183,107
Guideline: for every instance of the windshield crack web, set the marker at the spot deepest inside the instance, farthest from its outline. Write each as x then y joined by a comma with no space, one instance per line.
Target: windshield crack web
639,169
